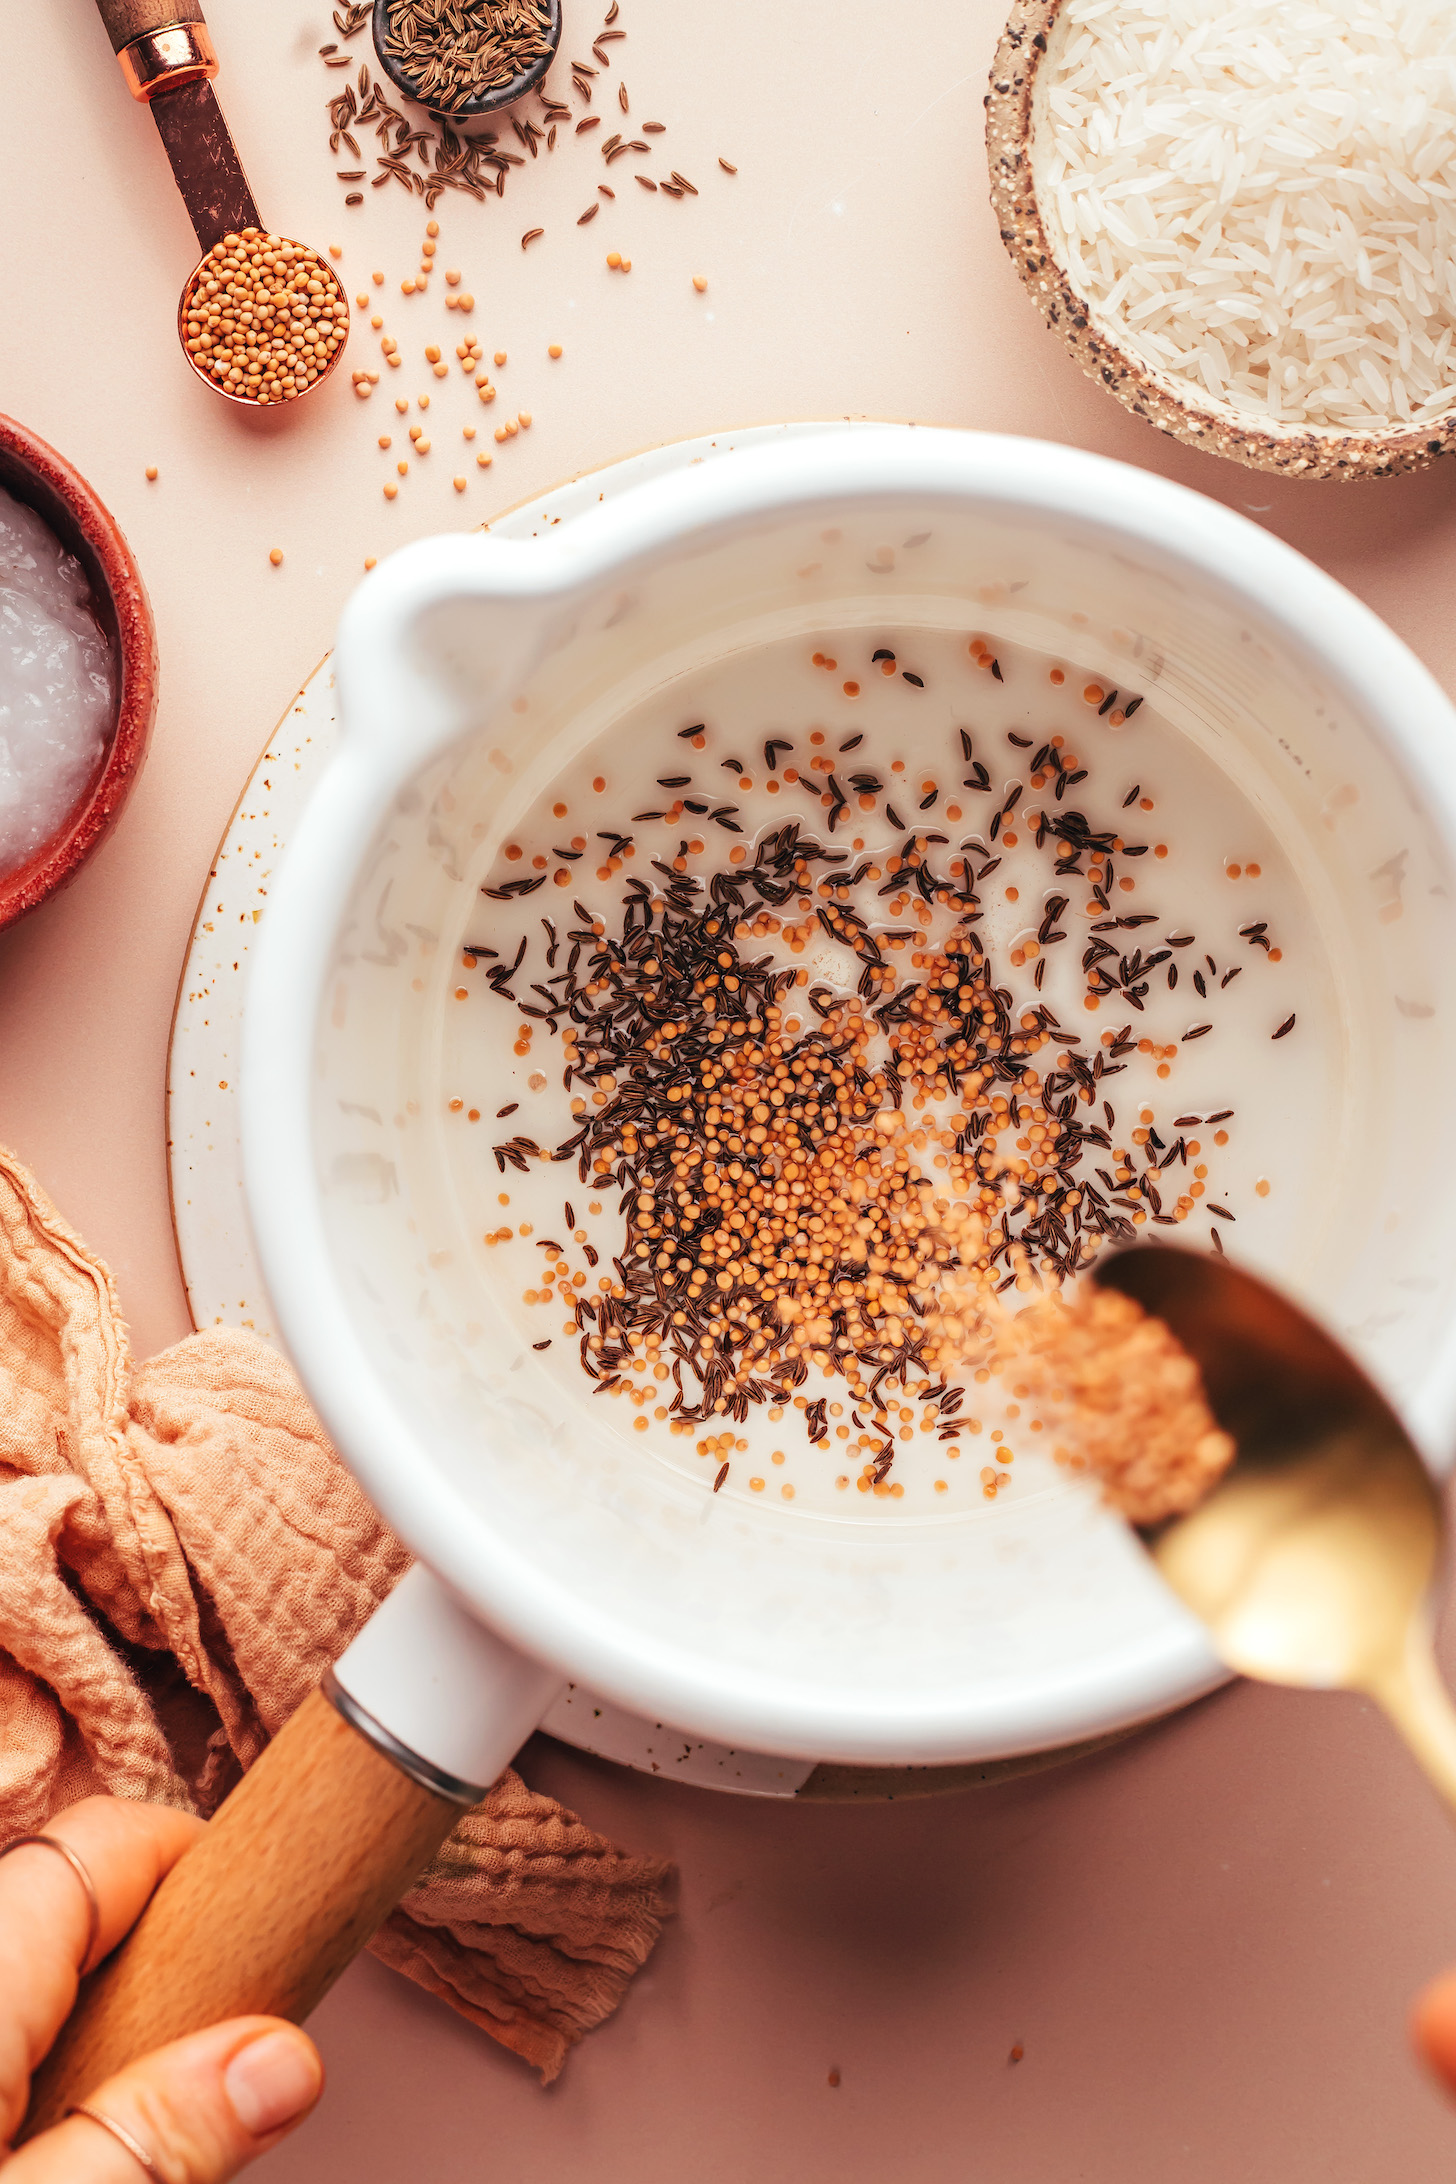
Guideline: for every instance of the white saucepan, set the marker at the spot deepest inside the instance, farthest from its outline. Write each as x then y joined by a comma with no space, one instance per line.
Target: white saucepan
548,1548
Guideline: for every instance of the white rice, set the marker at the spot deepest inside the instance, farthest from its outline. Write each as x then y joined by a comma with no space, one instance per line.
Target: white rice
1259,197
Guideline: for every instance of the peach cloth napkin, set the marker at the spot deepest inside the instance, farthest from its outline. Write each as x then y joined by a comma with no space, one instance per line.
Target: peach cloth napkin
181,1556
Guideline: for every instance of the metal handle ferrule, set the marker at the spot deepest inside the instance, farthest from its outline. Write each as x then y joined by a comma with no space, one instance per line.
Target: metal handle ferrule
163,60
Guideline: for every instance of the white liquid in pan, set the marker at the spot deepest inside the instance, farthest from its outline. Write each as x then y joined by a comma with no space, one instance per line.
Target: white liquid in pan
1212,866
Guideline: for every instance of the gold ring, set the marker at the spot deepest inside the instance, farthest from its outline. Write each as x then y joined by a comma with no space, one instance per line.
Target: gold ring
93,1904
120,2133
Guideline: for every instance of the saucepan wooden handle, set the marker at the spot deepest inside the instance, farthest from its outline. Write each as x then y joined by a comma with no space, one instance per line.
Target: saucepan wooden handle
128,19
297,1869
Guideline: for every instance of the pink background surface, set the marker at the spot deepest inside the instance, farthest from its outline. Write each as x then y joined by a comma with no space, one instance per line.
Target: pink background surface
1205,1940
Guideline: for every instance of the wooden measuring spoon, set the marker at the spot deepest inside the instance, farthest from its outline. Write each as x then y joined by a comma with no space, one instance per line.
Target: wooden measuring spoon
1311,1562
168,60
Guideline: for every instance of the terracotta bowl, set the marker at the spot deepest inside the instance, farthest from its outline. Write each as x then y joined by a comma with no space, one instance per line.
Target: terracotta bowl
34,473
1172,404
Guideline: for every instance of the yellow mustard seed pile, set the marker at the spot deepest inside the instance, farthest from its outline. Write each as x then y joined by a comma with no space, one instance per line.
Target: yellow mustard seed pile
264,317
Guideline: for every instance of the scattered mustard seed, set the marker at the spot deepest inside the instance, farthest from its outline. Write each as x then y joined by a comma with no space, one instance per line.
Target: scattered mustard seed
276,557
700,282
554,350
151,473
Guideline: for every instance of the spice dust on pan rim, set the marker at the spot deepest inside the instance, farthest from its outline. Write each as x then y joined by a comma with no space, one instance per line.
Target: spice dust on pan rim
1301,452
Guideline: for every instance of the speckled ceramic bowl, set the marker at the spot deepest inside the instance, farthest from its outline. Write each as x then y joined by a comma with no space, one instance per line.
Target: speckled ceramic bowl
34,473
1169,403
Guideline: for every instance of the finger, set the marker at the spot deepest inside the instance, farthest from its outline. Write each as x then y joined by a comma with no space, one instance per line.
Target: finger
45,1919
1433,2026
202,2108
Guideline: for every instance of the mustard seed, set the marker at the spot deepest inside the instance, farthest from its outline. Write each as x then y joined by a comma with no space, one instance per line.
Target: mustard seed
263,318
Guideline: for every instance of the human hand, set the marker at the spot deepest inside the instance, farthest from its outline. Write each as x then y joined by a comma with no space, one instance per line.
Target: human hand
1433,2028
200,2109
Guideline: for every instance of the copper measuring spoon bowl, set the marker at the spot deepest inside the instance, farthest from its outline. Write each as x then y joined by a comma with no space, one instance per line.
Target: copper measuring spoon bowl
320,274
168,61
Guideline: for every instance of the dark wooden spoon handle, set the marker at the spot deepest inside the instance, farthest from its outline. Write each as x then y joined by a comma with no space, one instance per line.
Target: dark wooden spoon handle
128,19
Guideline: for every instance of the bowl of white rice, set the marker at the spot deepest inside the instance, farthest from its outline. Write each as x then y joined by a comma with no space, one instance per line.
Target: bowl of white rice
1240,216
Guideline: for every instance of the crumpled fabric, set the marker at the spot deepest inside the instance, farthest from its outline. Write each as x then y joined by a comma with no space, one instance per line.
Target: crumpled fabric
182,1555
